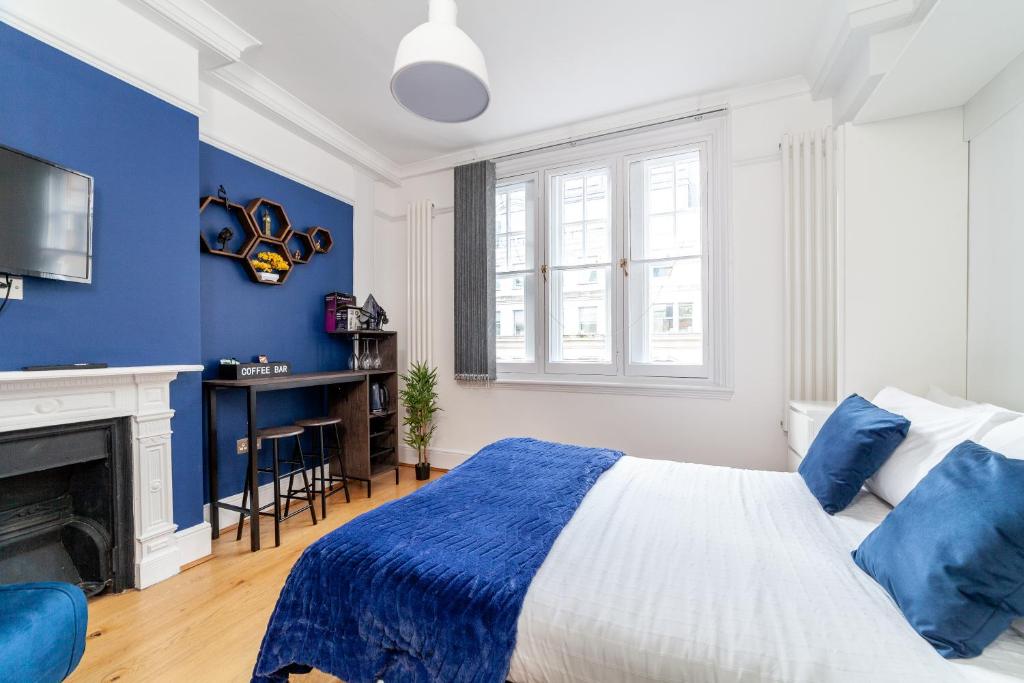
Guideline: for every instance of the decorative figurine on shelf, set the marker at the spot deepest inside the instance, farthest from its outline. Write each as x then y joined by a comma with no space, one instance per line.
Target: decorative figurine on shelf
268,224
266,263
317,247
222,194
223,237
371,315
297,254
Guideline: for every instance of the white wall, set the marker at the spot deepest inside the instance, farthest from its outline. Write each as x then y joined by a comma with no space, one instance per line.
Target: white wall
903,298
743,431
995,343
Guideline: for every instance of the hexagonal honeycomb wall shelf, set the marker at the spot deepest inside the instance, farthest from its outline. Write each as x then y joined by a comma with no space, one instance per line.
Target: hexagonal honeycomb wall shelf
264,244
245,234
322,240
268,213
300,246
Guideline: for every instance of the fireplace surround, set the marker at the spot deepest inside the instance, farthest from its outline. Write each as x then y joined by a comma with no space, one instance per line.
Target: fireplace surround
128,403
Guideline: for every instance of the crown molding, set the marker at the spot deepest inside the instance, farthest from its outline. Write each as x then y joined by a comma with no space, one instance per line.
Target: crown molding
605,125
28,25
274,101
846,61
220,40
271,165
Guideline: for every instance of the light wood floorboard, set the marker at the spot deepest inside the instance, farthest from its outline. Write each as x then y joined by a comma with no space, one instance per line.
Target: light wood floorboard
205,624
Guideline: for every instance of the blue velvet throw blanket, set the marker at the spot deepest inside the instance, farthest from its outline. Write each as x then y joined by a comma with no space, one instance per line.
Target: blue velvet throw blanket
428,588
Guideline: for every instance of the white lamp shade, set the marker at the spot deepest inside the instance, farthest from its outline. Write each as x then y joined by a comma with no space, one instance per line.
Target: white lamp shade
440,73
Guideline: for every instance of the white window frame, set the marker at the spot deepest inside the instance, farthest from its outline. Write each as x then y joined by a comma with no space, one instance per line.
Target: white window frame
691,372
713,133
563,368
535,256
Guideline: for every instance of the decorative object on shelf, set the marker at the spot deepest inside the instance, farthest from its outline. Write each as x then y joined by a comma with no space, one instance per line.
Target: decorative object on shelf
236,370
262,359
320,238
268,223
224,236
272,217
419,398
372,316
270,262
222,194
244,227
300,246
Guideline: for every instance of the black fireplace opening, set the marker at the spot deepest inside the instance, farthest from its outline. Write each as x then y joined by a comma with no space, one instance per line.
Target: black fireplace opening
66,506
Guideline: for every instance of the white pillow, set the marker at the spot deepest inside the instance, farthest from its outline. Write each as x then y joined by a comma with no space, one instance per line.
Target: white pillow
1006,439
943,398
934,431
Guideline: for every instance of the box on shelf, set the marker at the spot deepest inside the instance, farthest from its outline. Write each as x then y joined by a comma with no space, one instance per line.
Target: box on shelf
339,312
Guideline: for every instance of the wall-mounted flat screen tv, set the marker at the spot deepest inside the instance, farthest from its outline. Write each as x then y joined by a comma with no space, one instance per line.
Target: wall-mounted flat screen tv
45,219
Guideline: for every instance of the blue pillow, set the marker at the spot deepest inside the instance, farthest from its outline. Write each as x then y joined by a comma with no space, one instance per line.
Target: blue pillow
952,553
853,443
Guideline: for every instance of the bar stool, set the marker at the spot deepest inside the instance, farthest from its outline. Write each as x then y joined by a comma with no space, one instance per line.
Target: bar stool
275,434
324,479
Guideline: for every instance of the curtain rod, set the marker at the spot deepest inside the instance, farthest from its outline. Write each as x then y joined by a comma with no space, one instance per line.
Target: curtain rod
699,116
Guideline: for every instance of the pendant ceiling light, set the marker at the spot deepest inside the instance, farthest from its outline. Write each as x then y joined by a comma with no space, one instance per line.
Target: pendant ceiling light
440,73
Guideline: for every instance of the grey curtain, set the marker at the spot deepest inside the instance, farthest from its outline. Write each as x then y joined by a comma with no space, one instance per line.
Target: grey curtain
474,272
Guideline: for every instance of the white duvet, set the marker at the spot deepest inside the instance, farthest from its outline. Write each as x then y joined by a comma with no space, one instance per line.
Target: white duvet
677,572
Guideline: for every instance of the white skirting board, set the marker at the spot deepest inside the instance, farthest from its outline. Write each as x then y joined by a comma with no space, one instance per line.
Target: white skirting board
229,518
439,457
194,543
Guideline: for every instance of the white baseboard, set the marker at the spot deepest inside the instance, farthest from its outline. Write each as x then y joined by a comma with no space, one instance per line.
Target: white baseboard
439,457
194,543
157,566
227,518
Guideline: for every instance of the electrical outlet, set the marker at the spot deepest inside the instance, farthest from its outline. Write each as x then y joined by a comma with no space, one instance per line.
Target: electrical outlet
242,445
17,289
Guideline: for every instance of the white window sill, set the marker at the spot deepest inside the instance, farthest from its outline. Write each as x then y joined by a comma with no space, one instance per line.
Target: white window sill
636,387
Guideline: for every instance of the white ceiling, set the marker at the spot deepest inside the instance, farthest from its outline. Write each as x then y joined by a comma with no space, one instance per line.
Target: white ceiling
551,62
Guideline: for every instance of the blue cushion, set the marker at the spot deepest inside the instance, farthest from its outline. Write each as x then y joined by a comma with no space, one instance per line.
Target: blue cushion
42,631
853,443
952,553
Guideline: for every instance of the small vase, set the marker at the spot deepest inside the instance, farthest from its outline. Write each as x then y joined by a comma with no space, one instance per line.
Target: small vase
422,471
268,277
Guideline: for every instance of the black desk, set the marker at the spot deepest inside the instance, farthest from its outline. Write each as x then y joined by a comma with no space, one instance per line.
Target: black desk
251,387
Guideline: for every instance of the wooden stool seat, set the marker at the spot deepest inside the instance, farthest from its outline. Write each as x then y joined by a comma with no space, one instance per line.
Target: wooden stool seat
318,421
281,432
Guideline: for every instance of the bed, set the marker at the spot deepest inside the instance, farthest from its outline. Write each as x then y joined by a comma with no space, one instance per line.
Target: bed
665,571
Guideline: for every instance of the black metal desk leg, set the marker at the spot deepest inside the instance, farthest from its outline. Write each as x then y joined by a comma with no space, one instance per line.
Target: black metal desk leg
254,491
211,458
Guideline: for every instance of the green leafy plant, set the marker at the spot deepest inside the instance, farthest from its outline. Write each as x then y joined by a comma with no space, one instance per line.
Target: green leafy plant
419,398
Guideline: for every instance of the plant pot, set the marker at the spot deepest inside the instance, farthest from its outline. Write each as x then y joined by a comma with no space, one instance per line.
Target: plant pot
422,471
268,277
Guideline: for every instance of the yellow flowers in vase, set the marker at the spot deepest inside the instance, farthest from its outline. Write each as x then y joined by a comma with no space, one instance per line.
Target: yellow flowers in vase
268,265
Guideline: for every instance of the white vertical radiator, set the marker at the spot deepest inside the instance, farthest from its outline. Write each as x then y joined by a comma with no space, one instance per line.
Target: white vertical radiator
420,220
809,187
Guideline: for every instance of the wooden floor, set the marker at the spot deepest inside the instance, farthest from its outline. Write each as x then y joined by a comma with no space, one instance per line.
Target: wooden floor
205,625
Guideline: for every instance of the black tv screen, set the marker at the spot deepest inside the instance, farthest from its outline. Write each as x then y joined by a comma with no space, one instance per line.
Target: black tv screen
45,219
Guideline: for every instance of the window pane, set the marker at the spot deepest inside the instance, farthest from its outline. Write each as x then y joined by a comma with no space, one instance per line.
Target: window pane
665,211
665,302
581,316
580,210
514,227
513,301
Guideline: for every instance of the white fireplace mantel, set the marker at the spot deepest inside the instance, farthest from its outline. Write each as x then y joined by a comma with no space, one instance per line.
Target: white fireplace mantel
31,399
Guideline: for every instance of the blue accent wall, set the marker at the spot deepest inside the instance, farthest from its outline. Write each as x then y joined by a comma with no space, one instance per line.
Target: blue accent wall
242,319
142,307
154,299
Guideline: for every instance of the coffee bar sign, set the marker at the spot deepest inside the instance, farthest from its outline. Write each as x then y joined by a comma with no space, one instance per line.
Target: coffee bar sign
257,370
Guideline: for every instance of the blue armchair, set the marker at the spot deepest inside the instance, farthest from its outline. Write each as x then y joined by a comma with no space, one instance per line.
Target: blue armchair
42,631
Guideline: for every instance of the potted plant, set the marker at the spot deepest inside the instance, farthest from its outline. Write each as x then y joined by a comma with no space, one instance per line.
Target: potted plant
269,265
419,398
